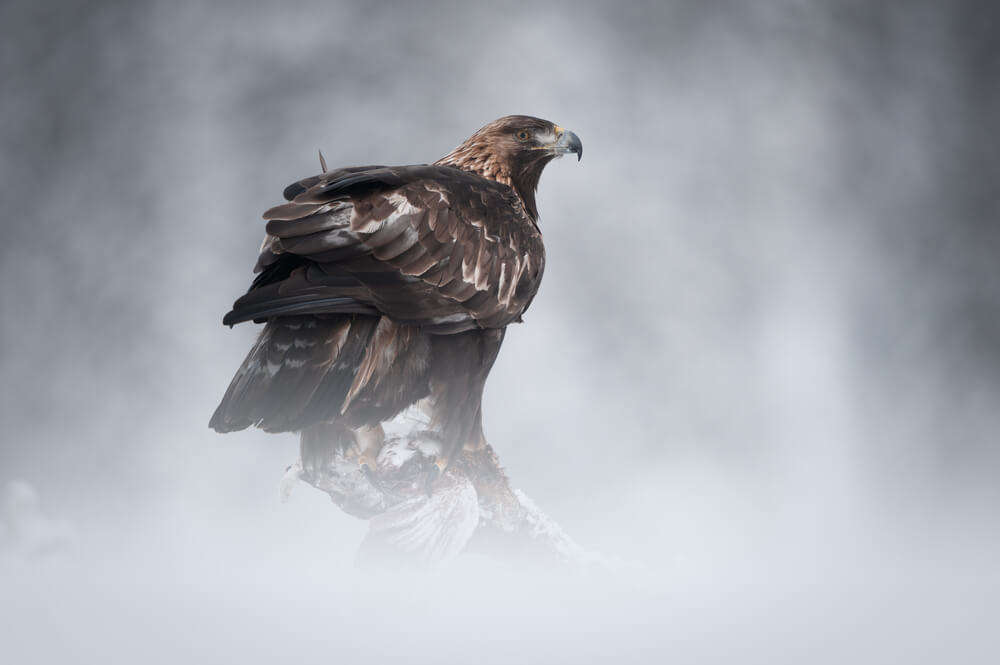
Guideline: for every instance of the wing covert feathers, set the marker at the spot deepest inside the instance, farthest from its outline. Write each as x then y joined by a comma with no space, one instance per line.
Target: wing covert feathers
430,246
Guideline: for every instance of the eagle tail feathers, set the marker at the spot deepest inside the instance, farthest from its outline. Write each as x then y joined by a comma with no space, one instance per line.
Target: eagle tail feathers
296,375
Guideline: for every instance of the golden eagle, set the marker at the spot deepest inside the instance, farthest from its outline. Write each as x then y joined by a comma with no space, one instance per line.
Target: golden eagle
384,287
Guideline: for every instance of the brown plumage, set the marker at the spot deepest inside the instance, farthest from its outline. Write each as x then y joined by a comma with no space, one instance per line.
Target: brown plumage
383,286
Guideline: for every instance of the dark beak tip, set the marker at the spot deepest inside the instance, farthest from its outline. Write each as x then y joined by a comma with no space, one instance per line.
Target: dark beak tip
576,145
569,142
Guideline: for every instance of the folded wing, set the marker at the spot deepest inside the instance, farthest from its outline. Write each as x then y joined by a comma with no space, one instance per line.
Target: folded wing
432,246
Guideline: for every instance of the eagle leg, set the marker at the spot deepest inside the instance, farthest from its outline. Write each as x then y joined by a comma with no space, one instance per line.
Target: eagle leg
476,443
477,440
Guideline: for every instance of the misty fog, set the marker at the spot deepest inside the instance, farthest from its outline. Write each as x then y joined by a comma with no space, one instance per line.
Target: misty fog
762,373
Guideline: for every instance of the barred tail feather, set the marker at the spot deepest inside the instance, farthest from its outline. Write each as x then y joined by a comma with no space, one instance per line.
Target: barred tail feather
296,375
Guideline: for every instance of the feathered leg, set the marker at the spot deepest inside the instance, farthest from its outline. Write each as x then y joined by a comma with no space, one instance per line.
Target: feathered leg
461,365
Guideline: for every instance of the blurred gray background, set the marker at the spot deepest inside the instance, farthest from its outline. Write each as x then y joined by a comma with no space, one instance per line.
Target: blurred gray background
763,368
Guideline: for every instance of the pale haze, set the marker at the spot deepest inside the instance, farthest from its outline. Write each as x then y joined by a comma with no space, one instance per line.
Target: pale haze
761,376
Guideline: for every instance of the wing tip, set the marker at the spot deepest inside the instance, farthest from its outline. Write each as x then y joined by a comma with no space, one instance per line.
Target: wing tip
259,313
220,423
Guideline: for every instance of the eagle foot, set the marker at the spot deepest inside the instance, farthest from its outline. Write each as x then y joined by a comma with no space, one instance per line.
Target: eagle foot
367,463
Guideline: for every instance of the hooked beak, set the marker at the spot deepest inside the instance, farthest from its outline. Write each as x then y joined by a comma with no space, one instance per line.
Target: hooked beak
567,141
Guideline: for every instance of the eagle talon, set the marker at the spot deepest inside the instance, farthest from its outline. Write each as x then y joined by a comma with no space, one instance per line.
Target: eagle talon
367,463
369,441
434,474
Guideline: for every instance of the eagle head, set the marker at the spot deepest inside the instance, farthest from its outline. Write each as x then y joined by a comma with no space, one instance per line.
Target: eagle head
513,150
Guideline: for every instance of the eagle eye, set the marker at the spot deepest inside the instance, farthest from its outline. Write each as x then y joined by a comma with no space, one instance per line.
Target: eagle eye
523,135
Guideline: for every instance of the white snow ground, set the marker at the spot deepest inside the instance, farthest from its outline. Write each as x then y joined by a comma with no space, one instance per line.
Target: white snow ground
278,586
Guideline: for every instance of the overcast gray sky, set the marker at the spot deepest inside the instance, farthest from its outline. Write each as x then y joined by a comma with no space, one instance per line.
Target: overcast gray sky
769,329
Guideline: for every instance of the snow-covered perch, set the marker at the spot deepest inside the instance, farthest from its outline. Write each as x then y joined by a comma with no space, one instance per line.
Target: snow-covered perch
471,507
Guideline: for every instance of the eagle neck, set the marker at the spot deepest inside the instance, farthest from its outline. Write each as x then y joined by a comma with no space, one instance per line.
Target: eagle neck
468,158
